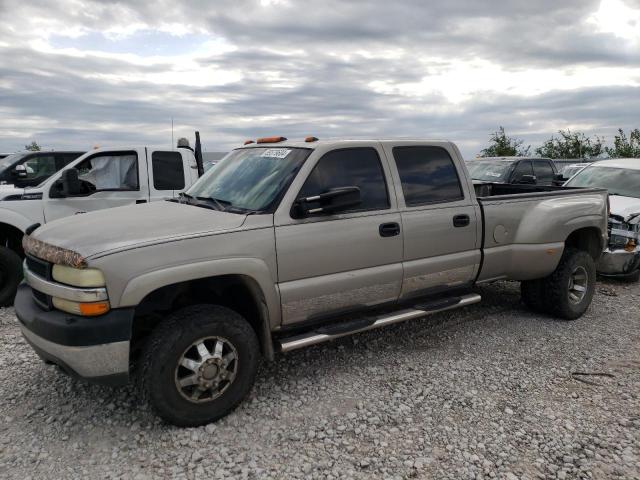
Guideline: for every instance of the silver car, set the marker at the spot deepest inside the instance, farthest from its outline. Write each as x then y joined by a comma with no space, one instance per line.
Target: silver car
622,178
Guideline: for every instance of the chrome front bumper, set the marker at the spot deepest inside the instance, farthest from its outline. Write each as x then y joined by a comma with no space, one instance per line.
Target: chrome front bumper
619,262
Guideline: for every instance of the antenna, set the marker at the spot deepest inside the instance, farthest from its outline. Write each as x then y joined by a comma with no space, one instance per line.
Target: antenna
172,144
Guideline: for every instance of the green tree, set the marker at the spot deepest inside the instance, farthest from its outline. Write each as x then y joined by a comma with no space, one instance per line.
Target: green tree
624,147
570,144
32,147
504,146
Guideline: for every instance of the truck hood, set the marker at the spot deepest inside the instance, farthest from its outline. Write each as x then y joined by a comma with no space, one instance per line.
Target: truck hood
624,208
125,227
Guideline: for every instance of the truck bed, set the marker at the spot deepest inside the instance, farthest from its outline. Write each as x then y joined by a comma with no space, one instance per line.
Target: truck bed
525,226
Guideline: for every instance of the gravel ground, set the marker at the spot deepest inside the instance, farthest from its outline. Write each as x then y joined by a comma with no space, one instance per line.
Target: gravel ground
490,391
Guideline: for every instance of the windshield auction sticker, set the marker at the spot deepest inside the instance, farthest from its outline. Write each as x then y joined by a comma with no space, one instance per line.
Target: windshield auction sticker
276,152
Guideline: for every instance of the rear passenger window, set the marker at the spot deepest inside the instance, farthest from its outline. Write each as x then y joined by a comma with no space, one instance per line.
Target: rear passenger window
543,172
168,172
428,175
351,167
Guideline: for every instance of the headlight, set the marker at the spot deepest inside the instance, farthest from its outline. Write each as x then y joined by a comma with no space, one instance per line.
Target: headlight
78,277
85,309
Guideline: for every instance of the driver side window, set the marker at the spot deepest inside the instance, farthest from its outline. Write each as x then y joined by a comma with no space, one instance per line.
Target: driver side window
522,168
350,167
111,171
41,166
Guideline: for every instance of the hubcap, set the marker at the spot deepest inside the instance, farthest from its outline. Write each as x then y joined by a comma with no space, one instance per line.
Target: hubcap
206,369
578,282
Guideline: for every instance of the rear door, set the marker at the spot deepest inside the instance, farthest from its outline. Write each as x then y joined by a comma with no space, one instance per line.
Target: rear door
167,174
439,219
332,263
110,179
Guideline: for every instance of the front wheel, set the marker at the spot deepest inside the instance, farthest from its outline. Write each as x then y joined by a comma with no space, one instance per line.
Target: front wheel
569,289
199,364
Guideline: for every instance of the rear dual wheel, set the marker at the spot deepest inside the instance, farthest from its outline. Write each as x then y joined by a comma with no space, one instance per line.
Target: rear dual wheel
568,291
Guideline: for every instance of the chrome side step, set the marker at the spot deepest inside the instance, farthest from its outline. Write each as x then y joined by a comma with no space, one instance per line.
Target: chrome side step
315,337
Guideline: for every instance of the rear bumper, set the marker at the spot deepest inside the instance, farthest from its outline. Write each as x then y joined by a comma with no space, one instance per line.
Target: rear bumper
95,349
619,262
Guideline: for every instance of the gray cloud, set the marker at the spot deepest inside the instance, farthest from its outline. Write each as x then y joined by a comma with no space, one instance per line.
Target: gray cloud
307,69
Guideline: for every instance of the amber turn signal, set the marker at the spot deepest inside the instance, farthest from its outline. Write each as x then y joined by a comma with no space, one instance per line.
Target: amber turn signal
311,139
94,309
247,142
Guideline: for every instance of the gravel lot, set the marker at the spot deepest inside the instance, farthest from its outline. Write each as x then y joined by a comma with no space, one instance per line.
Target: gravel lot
490,391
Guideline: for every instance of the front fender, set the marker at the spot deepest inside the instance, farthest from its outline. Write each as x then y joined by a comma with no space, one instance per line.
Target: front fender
139,287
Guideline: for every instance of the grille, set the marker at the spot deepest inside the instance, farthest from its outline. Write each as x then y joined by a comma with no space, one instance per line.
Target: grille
39,267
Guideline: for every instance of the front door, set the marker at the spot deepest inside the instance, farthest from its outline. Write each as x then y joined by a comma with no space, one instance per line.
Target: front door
109,179
330,264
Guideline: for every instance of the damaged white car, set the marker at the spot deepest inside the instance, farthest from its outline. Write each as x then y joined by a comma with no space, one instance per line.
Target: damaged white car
622,179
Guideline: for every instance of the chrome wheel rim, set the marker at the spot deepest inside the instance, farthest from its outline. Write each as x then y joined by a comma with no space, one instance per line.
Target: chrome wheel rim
578,283
206,369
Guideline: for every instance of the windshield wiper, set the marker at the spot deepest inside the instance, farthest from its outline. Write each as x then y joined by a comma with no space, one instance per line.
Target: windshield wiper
190,200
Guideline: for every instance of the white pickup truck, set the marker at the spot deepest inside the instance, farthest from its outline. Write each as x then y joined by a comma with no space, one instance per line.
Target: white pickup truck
99,179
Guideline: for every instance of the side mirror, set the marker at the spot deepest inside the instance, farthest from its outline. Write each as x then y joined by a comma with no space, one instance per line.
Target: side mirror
20,171
559,179
67,185
332,201
528,179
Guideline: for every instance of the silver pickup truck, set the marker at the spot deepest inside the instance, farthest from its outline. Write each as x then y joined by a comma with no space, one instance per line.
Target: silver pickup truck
288,244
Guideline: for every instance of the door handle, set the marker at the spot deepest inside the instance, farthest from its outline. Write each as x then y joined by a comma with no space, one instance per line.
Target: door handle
389,229
461,220
141,201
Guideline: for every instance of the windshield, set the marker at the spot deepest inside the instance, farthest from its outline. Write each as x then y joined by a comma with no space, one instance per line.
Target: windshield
619,181
571,170
490,171
251,178
6,162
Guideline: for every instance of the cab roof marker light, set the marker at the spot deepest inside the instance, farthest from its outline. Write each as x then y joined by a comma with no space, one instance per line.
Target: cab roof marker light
271,139
248,142
311,139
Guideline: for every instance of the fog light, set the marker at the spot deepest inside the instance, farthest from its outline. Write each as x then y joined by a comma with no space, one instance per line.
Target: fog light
85,309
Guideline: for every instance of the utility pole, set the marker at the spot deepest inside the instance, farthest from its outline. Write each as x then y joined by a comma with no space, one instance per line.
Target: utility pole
172,144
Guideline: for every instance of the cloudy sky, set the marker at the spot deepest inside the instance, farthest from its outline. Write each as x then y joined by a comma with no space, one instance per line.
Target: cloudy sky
76,73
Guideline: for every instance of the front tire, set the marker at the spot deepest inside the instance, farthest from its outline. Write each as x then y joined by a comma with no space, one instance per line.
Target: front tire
199,364
10,275
569,289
